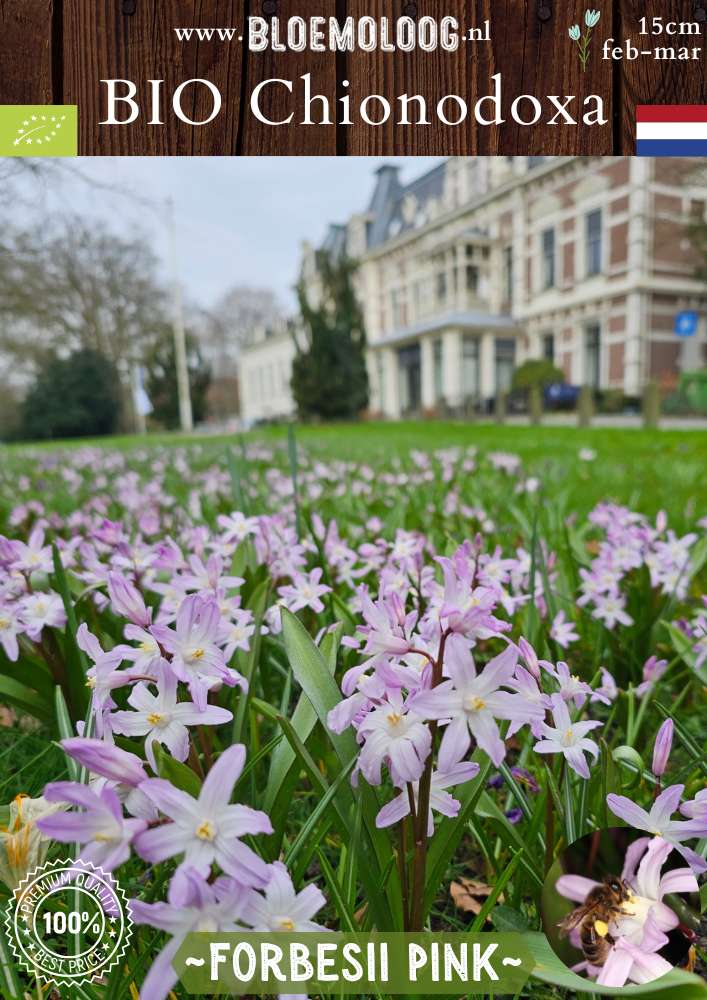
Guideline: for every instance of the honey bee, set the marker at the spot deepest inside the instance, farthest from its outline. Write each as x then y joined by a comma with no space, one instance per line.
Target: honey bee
603,903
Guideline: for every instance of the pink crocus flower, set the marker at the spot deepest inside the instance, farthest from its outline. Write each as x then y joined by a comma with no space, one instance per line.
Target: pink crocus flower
101,828
41,610
440,800
568,738
659,823
209,828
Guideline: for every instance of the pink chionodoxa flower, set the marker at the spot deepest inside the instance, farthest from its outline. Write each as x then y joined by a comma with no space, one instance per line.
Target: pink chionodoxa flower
280,908
659,823
440,800
196,659
563,632
568,738
639,932
470,703
100,827
192,905
10,628
161,718
209,828
393,734
305,591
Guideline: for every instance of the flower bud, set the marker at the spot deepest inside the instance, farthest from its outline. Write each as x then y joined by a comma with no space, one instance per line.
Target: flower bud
530,657
662,747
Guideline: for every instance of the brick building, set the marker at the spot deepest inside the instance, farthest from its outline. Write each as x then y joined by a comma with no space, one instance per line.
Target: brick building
485,262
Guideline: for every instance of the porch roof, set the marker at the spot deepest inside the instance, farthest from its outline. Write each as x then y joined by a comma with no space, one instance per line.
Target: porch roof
469,320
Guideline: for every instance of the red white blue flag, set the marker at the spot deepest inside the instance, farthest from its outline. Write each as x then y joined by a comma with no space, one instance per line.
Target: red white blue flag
671,130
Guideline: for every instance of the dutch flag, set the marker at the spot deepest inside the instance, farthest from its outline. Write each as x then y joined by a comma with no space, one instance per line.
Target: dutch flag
671,130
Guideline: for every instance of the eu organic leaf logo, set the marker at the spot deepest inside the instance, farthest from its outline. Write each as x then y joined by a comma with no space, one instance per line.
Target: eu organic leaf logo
39,130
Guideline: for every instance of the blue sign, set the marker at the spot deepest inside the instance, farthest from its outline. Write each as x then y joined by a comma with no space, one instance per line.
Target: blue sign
686,324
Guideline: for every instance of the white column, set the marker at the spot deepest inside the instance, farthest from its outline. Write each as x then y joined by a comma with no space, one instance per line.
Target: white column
452,367
427,373
391,403
488,365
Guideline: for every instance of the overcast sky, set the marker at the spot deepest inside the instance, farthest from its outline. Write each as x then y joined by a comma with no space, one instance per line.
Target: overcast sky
239,220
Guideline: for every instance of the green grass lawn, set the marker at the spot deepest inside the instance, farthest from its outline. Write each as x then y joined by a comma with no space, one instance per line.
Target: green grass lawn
648,470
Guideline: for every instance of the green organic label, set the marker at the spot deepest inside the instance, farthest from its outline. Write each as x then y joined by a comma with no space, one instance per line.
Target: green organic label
349,964
38,130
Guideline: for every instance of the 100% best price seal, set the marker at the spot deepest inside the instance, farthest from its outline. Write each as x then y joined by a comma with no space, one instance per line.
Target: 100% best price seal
68,922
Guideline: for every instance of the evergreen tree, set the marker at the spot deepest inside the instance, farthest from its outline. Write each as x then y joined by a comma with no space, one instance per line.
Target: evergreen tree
329,376
161,381
78,396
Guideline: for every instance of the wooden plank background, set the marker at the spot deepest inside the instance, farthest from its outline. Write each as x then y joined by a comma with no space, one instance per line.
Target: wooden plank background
57,51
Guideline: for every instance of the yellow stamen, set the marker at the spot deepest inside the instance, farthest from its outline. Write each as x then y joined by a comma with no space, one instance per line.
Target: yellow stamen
286,924
205,831
393,718
197,654
154,718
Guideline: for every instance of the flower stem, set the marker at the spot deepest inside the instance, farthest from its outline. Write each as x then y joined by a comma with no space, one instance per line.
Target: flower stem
423,810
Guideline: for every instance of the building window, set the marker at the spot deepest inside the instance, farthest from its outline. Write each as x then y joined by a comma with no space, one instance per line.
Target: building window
505,363
593,242
472,278
592,356
548,258
441,286
438,371
471,375
549,347
508,274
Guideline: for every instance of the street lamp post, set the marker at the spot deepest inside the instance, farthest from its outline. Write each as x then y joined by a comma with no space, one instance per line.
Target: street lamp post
186,420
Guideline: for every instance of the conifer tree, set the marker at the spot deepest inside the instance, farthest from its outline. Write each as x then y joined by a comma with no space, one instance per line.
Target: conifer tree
329,376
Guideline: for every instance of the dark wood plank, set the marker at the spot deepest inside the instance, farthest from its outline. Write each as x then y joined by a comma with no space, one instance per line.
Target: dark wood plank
534,55
649,81
259,139
100,42
26,52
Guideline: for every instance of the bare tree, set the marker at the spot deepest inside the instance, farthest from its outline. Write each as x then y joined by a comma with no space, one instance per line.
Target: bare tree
227,327
76,287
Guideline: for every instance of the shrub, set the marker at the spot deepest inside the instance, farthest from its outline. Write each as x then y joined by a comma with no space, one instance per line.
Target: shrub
78,396
537,373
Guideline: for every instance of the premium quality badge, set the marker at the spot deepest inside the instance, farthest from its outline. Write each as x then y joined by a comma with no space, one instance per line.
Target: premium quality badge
68,922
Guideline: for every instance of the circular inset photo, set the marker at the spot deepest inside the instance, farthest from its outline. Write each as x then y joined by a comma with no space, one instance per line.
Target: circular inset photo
622,908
